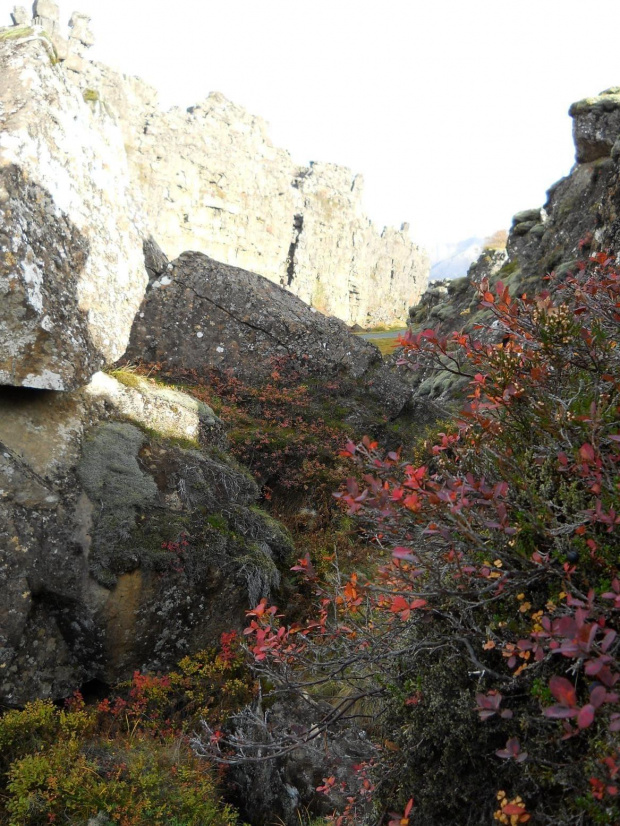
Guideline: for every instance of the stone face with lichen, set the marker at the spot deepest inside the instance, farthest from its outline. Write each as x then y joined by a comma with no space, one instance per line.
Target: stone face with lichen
203,315
596,125
71,268
128,538
579,217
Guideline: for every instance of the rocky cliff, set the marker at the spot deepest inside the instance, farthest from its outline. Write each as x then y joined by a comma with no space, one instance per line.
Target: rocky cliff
580,216
128,534
210,179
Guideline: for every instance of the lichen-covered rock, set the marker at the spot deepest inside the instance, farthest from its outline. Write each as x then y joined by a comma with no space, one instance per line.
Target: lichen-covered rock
596,125
581,215
71,266
162,409
121,547
203,315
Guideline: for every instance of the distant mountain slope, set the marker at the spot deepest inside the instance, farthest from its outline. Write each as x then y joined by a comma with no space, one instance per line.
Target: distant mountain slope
452,260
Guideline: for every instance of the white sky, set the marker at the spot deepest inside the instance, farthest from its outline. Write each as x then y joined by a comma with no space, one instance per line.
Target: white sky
455,111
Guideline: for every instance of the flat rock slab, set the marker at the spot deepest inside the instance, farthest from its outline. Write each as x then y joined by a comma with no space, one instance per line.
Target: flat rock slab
71,266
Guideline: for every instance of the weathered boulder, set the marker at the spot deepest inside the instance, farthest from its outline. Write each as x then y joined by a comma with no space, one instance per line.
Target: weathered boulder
202,315
71,265
128,538
596,125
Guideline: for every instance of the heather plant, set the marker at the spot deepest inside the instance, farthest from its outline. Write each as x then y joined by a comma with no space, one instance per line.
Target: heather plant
285,431
484,645
127,758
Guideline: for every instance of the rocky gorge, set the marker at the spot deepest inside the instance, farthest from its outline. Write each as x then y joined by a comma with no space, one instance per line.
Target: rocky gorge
180,397
86,455
210,179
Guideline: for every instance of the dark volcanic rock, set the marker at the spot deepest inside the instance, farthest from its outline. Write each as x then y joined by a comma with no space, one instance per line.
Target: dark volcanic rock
204,315
596,125
128,537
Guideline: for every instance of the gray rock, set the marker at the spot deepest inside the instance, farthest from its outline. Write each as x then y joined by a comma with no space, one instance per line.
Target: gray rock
579,217
523,227
210,178
213,181
80,30
596,125
47,14
526,215
47,9
71,269
203,315
20,16
155,261
123,546
75,63
538,230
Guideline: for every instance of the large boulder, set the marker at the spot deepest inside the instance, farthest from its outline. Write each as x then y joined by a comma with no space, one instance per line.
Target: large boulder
128,537
202,315
71,266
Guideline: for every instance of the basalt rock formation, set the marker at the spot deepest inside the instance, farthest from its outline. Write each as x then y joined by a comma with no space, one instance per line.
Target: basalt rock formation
581,215
202,315
71,269
210,179
128,537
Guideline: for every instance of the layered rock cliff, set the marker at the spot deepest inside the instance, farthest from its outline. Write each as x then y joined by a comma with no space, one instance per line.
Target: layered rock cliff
210,179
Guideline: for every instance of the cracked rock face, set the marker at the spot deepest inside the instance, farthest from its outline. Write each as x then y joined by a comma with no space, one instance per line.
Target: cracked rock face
71,265
213,181
121,547
596,125
202,315
217,184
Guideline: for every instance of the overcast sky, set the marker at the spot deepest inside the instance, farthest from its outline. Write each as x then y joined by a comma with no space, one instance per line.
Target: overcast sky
455,111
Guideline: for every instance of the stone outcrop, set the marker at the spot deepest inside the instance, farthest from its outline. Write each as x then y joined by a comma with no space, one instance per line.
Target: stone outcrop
71,266
127,537
211,180
201,315
596,125
581,216
450,304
